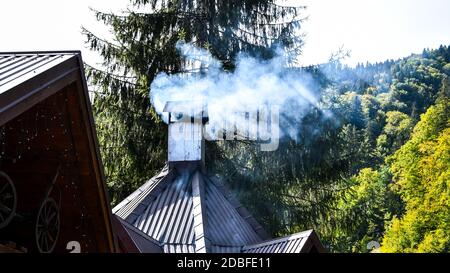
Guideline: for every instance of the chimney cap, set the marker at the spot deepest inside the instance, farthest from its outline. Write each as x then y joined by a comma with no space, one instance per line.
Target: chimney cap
184,111
186,107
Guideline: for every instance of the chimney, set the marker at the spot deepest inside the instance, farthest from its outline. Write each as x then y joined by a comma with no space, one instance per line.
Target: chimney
186,143
190,125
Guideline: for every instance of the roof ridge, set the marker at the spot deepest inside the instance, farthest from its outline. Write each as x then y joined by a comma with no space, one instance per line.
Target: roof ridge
158,182
201,234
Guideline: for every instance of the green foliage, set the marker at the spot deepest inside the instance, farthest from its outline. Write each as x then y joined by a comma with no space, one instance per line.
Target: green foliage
446,69
333,176
421,170
388,108
395,132
362,210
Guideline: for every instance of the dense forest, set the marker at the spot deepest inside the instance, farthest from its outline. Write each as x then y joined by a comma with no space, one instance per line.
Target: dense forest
370,162
396,122
378,170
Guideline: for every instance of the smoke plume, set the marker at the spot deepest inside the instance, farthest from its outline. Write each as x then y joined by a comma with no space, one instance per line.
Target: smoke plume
253,83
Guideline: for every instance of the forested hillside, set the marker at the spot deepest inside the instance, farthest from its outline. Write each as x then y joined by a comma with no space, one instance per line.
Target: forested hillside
379,165
399,191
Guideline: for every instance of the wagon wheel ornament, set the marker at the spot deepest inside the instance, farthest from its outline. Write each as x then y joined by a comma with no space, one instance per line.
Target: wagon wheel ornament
47,226
8,200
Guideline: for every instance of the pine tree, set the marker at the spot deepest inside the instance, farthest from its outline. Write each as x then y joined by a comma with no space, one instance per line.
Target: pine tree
132,137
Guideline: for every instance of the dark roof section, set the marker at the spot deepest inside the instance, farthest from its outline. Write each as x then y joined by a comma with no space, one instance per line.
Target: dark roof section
302,242
132,240
225,224
243,212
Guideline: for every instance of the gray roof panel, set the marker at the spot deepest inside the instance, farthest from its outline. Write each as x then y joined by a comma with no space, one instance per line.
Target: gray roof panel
163,209
289,244
226,227
16,68
178,248
159,219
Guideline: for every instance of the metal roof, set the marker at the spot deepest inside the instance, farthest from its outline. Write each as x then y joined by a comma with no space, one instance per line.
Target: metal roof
225,249
179,248
188,212
163,208
225,226
168,218
140,240
296,243
16,68
129,204
27,78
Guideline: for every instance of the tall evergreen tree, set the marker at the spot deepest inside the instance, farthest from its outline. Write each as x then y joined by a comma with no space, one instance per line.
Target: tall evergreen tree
132,137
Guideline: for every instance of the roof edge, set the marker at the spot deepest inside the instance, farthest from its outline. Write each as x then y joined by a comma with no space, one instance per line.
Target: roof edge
42,52
95,152
164,171
301,234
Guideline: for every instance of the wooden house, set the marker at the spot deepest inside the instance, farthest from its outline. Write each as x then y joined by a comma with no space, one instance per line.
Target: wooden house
53,196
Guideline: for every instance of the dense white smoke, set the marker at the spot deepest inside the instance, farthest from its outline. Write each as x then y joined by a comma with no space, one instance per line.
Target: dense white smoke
254,83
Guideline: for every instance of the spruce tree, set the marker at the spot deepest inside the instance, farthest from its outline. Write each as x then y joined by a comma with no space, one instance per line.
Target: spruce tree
132,137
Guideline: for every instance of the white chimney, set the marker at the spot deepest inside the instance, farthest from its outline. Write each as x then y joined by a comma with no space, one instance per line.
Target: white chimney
190,126
186,141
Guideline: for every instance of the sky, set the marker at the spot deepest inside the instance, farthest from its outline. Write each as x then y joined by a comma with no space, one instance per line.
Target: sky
372,30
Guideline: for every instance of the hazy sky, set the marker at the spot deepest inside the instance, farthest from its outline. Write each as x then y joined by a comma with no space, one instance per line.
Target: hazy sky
373,30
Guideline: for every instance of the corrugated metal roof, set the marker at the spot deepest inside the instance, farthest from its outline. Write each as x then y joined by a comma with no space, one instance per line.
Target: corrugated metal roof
290,244
179,248
163,209
243,212
225,249
126,207
16,68
168,218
